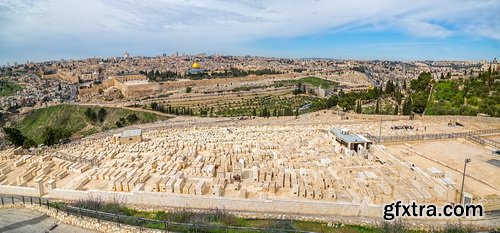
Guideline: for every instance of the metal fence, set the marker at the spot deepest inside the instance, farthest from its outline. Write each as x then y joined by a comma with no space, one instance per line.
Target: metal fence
483,141
142,223
423,137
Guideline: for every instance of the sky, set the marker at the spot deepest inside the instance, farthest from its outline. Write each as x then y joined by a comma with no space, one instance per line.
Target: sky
40,30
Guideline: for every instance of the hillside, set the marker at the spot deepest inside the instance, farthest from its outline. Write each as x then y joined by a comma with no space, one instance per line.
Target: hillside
75,121
7,87
313,81
466,97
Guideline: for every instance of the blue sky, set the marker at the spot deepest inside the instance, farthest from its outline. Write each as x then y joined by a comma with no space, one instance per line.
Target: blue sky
39,30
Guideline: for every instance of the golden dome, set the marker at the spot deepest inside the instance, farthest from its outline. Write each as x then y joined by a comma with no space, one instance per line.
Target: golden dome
195,65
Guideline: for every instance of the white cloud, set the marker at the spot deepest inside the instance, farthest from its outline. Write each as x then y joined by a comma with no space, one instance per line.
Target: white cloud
225,24
424,29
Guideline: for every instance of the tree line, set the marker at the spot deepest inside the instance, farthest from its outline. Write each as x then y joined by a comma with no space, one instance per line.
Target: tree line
50,136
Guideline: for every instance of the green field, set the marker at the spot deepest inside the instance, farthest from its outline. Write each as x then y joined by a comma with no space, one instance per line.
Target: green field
313,81
318,82
72,119
7,87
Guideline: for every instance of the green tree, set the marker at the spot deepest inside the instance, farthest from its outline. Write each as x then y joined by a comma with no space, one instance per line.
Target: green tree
14,136
189,89
29,143
101,114
397,95
377,107
118,124
419,100
358,107
490,76
421,88
396,109
154,106
407,107
422,83
266,112
300,89
389,87
332,101
52,136
132,118
90,114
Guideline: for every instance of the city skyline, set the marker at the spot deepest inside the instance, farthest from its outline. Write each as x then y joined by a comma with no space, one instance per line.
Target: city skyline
389,30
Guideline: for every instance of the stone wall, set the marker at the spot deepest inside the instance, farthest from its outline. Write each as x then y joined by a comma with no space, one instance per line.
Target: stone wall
231,204
129,91
63,75
422,224
19,191
139,90
461,119
172,85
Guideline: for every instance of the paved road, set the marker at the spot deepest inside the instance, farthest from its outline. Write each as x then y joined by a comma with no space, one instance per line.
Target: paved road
18,220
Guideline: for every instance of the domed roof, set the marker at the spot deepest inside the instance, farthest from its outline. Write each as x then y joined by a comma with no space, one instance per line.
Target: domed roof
195,65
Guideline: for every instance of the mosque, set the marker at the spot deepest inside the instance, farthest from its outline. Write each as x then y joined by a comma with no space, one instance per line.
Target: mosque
195,69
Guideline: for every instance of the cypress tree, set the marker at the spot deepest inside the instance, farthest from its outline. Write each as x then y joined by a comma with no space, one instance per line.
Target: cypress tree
358,107
407,106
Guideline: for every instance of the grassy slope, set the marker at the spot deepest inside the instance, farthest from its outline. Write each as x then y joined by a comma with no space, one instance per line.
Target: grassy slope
448,98
72,118
7,88
313,81
225,219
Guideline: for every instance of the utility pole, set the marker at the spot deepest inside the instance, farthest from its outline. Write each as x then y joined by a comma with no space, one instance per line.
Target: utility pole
463,180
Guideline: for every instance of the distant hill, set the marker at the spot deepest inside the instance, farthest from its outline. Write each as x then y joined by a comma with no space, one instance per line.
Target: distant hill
78,121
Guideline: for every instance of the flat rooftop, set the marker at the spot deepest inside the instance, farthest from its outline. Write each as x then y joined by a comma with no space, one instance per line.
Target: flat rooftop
131,133
136,82
349,137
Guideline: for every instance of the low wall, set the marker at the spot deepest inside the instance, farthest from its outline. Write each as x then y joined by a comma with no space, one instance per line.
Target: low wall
421,223
18,191
232,204
461,119
274,208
